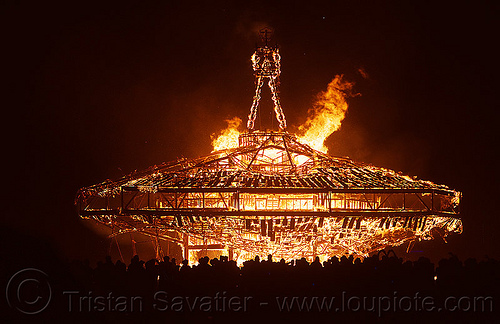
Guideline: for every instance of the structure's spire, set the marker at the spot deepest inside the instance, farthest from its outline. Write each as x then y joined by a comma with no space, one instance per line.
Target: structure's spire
266,65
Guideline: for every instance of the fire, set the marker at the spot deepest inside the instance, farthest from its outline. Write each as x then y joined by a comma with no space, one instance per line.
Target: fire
229,137
326,115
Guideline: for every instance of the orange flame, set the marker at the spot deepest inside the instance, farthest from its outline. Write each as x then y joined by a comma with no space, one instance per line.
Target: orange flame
326,115
229,137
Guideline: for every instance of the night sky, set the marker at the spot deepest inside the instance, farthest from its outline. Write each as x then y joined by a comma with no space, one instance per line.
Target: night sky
96,91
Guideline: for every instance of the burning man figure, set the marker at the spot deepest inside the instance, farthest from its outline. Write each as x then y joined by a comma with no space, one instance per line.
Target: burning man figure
266,65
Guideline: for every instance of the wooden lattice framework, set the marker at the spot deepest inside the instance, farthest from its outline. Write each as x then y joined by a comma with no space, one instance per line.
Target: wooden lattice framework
274,195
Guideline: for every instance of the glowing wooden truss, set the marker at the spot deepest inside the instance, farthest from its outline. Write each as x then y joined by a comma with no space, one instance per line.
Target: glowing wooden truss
274,195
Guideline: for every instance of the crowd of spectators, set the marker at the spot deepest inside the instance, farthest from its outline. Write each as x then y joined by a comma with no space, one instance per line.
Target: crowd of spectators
382,274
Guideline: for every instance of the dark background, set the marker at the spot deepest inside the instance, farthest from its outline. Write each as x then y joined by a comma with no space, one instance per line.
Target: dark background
94,91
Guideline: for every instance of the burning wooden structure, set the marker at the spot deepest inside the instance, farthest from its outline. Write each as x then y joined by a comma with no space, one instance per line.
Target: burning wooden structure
272,194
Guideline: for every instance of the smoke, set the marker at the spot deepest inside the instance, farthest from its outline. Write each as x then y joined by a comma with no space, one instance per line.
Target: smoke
249,29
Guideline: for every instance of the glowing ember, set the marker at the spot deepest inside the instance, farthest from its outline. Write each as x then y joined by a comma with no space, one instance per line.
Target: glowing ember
229,137
326,115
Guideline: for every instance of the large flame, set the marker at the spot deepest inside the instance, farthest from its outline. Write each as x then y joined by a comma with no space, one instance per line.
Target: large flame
326,115
229,137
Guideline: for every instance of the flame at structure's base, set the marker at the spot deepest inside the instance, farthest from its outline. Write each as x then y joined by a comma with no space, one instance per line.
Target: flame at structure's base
273,195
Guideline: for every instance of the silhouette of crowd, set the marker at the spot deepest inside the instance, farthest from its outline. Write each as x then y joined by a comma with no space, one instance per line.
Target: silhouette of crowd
382,274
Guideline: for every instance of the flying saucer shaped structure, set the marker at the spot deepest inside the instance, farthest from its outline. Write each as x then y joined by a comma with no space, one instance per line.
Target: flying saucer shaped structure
273,195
